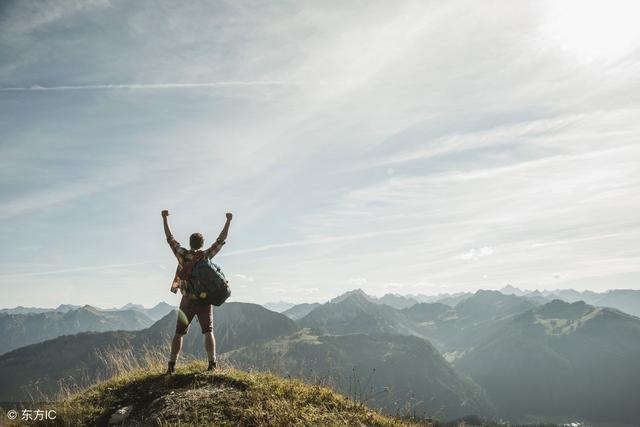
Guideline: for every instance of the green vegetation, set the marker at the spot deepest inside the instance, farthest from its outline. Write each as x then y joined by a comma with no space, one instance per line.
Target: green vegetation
193,397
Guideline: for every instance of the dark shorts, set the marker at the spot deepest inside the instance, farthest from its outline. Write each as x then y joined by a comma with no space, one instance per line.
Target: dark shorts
190,308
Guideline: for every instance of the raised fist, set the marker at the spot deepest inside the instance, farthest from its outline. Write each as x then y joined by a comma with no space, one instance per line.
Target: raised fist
165,213
229,216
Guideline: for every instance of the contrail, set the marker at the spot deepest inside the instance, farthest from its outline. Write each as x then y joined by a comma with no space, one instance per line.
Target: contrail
134,86
577,240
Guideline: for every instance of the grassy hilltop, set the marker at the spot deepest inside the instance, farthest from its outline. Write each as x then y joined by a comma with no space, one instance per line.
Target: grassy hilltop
192,397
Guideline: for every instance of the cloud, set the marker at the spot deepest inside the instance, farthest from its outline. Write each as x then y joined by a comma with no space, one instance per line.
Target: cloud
579,240
474,254
322,241
149,86
243,277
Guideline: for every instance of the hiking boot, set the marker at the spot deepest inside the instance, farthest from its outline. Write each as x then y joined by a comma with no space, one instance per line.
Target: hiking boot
212,365
171,367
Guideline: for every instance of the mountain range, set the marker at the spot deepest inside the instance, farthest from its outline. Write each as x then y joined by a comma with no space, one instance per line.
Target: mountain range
154,313
627,300
28,325
512,354
451,329
62,308
18,330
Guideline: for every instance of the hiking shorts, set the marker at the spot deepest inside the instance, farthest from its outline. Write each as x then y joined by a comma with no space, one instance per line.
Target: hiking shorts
188,310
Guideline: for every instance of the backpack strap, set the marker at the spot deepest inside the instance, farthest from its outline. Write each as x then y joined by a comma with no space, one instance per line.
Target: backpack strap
185,273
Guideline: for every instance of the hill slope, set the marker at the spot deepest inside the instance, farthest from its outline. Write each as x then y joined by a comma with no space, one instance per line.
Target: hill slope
297,312
560,359
390,372
354,312
192,397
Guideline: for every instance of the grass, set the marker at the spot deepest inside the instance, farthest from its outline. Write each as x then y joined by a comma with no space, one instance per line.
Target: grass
193,397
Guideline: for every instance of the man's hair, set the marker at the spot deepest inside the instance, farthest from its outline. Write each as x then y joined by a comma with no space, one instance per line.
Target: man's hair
196,241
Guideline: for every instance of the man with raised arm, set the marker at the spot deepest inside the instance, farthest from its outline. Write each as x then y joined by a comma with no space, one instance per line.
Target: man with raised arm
189,307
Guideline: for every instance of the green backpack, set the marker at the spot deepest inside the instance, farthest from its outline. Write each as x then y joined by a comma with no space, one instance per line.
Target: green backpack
205,281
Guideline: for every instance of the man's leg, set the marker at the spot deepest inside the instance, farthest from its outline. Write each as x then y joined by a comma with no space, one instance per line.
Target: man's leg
185,315
205,317
176,346
210,346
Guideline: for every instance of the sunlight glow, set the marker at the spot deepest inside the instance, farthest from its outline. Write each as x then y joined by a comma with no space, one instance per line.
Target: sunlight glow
591,30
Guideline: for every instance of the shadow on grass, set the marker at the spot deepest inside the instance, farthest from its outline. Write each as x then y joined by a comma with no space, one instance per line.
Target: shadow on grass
143,391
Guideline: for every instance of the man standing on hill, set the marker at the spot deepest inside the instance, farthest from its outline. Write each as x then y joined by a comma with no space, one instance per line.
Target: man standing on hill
189,307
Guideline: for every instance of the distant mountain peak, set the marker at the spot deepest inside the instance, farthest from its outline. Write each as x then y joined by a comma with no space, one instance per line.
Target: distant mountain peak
278,306
509,289
66,307
91,308
398,301
131,306
162,304
355,297
489,293
356,293
297,312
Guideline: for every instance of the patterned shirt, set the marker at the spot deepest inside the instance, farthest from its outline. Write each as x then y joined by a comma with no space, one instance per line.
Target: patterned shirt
184,256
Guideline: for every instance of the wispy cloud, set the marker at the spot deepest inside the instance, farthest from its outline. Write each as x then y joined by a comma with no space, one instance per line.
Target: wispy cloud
581,239
135,86
324,240
243,277
475,254
76,270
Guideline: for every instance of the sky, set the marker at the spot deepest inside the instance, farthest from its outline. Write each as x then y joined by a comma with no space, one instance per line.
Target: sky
408,147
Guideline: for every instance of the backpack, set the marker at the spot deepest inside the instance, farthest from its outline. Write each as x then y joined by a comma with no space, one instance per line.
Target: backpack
205,281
